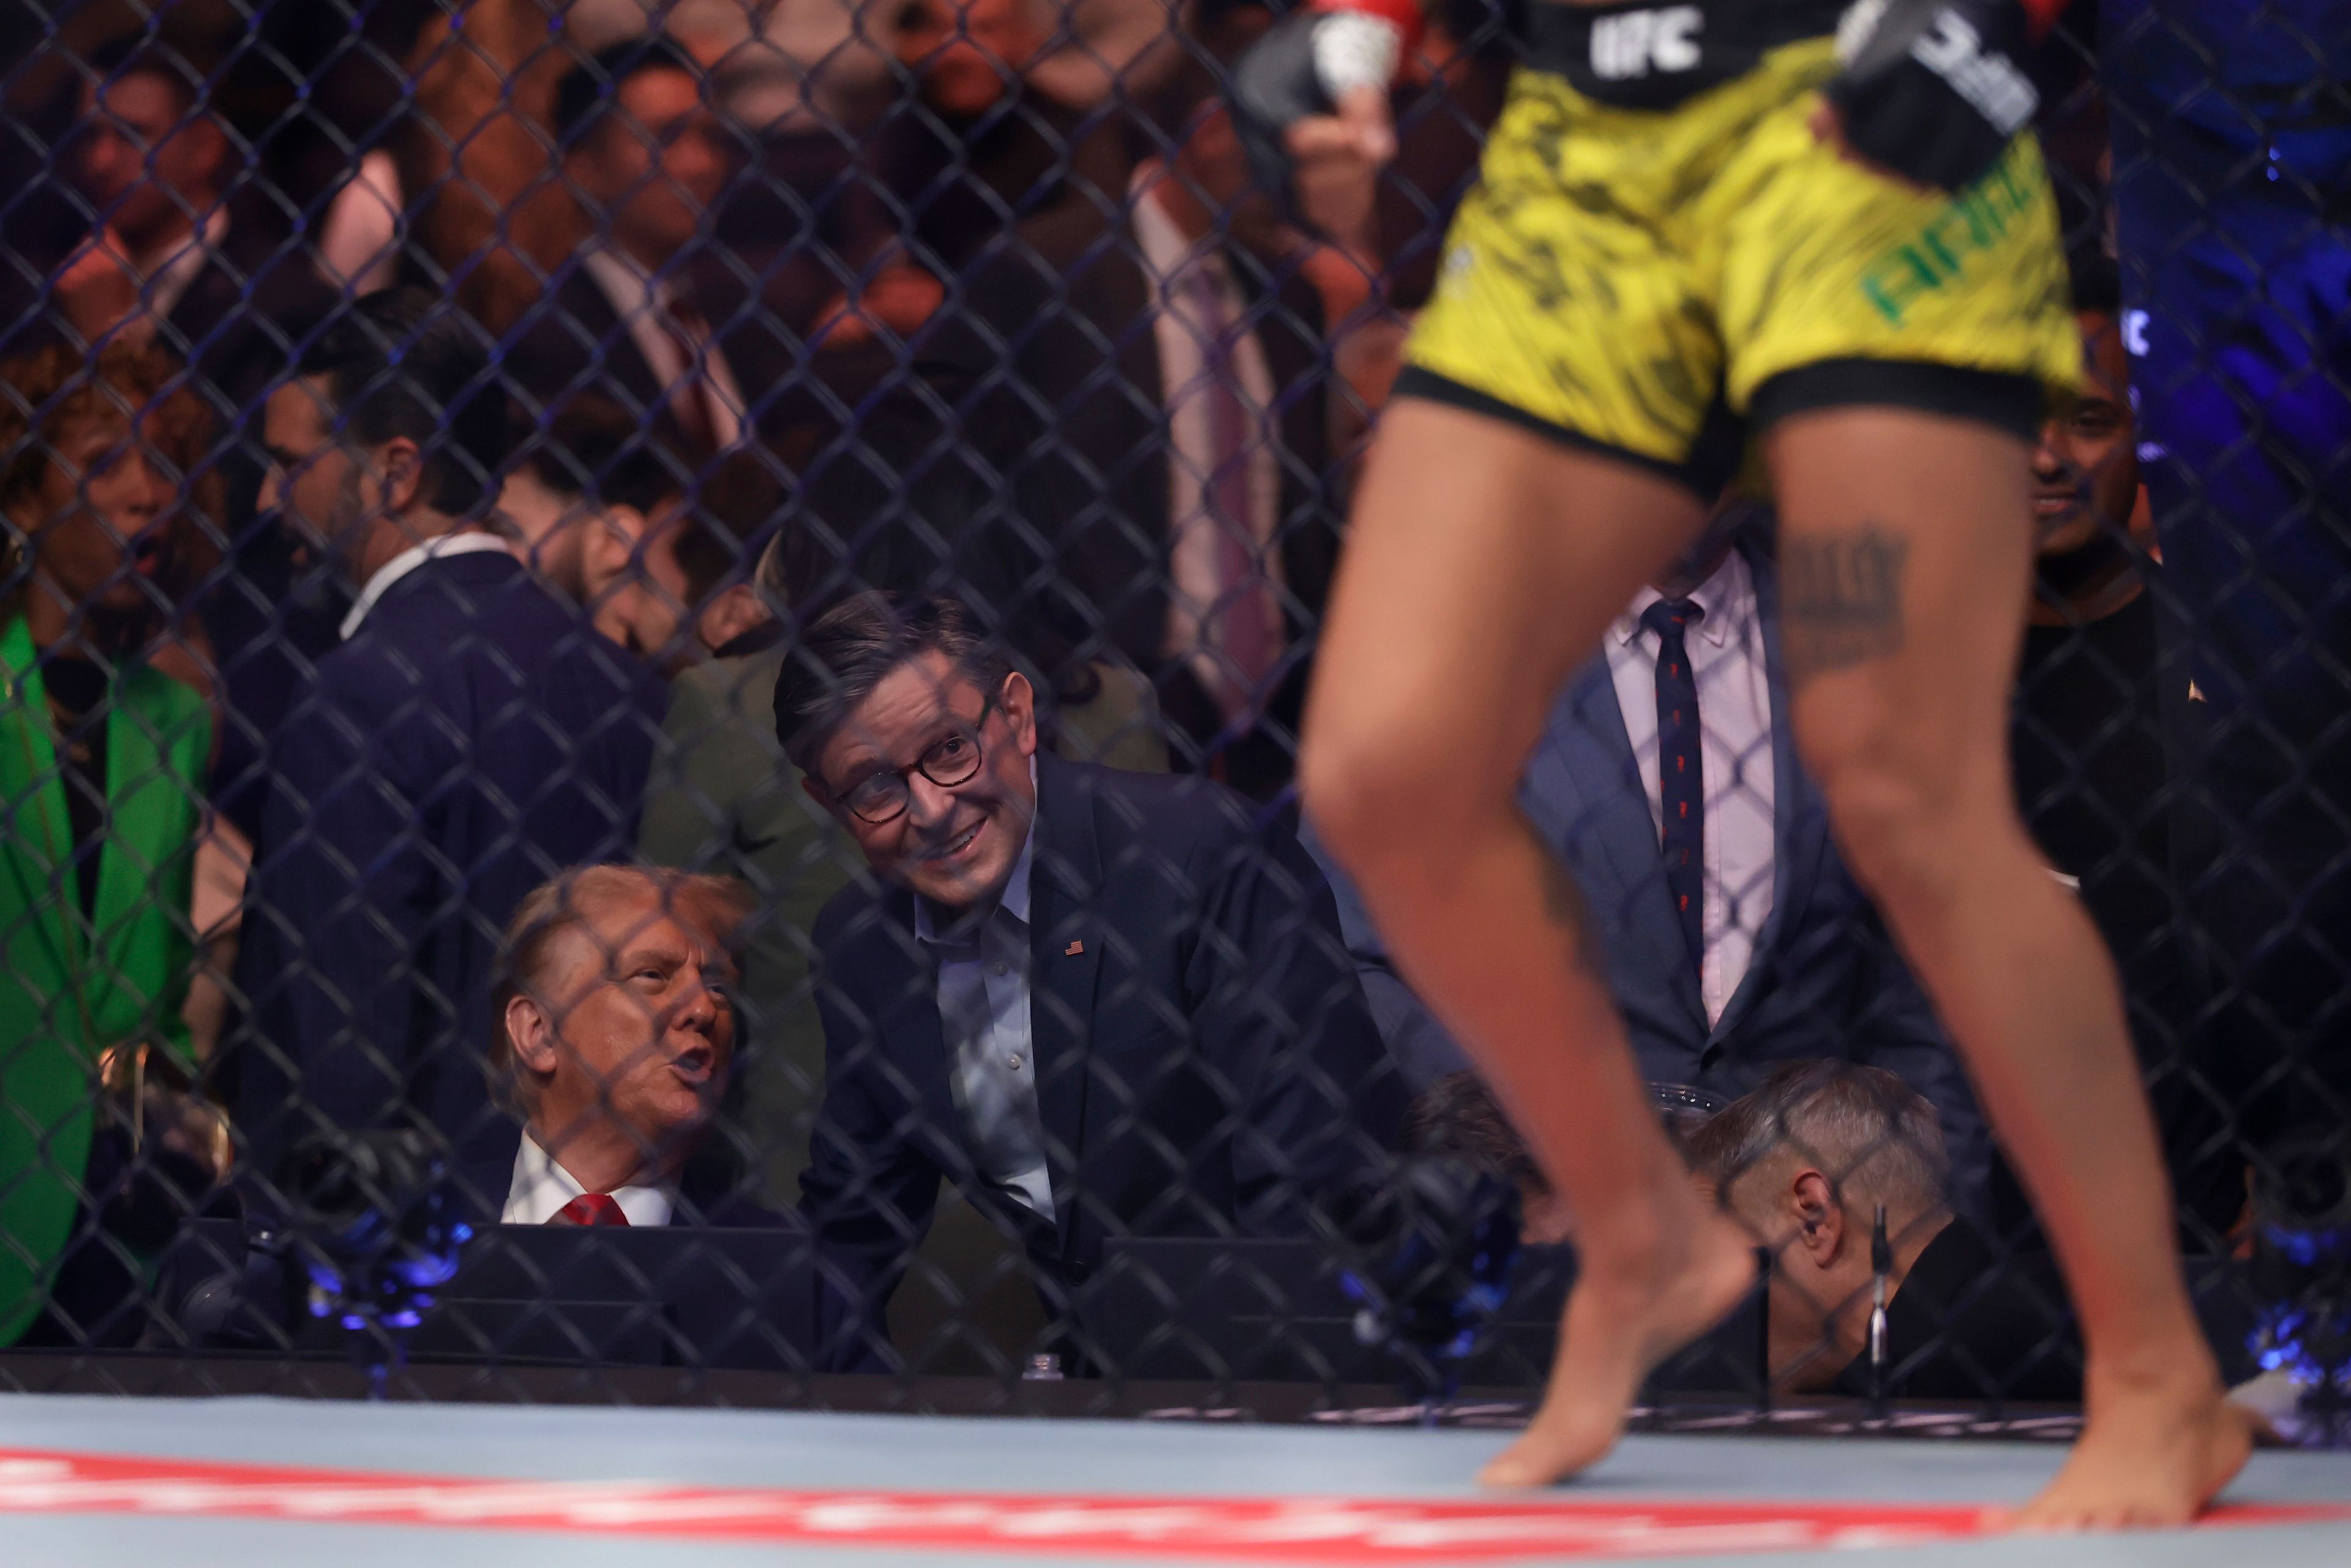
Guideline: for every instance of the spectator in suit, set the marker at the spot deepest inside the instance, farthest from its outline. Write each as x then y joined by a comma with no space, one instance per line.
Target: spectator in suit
612,1037
155,160
660,554
1738,944
470,734
1804,1161
695,564
1018,109
1009,120
725,798
580,502
1098,1002
1168,416
634,315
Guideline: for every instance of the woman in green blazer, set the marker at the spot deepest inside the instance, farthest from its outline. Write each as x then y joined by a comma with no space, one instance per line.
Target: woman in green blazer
101,758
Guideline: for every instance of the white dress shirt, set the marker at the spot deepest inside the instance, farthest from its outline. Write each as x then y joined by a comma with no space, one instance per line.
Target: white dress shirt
984,1011
469,543
1177,331
541,1187
641,302
1734,716
169,275
358,244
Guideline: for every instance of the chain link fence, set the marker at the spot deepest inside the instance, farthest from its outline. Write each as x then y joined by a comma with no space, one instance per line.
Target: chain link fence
489,887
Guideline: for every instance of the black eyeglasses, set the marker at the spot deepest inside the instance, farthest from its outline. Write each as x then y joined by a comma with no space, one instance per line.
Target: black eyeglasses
953,759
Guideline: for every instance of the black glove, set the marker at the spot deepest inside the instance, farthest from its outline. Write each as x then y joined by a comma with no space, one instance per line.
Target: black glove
1295,71
1933,91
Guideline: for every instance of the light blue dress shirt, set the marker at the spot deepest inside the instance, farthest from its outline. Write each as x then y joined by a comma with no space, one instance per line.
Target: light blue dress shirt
984,1011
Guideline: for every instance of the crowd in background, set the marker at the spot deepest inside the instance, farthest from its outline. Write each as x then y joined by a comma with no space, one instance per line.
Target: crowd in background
445,689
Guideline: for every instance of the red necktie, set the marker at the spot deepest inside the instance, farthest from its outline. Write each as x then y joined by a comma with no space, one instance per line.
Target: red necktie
591,1208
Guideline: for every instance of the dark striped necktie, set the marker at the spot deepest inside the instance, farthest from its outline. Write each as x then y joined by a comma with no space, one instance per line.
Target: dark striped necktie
691,396
1244,624
1681,776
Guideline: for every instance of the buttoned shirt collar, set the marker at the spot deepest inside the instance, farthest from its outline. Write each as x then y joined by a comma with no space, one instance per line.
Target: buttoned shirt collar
1721,597
542,1186
986,1017
464,542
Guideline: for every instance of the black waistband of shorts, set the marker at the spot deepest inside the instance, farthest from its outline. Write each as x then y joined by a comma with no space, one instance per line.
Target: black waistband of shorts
1645,54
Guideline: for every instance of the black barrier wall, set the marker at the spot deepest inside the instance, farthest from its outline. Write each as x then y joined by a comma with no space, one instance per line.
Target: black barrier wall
655,659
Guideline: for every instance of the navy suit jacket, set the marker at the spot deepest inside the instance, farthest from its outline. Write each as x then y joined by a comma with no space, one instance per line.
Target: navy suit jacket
1825,979
473,738
1204,1056
573,342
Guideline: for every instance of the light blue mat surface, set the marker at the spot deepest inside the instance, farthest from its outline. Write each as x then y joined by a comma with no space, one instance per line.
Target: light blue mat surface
1011,1456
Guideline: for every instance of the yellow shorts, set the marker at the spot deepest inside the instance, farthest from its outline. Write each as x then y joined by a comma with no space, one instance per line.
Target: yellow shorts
1653,282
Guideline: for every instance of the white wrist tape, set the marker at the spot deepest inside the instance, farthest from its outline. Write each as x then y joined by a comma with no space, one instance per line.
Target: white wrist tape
1353,49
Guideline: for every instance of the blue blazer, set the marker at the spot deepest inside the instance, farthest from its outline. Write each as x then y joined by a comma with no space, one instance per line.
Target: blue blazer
1204,1056
1825,979
473,738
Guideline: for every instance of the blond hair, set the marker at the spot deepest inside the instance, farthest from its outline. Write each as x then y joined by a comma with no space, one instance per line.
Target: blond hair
714,906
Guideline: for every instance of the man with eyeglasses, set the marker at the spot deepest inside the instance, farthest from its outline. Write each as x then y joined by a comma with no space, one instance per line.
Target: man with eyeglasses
1099,1002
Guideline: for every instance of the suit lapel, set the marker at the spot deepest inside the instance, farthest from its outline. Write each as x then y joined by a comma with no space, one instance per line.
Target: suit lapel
485,1172
614,340
1799,819
1127,314
1584,794
1308,546
201,309
1066,943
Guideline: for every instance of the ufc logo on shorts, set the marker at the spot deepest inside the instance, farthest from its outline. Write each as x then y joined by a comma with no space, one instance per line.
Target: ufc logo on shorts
1640,42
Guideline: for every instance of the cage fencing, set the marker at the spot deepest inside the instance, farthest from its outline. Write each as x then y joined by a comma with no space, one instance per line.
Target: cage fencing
490,888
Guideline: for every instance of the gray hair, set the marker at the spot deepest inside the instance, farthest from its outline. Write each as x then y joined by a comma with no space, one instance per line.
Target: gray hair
1873,1136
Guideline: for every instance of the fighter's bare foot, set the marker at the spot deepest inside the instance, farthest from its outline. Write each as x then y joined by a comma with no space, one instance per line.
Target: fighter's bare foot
1621,1319
2153,1454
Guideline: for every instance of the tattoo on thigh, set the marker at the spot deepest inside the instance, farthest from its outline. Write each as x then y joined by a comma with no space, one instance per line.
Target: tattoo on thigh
1840,599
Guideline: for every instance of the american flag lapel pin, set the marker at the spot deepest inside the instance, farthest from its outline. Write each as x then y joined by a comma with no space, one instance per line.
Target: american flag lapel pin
1073,950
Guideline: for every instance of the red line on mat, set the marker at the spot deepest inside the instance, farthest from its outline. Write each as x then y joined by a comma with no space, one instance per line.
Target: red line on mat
1241,1530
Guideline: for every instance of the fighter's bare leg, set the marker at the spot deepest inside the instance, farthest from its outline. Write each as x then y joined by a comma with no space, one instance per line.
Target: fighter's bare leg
1483,564
1905,544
